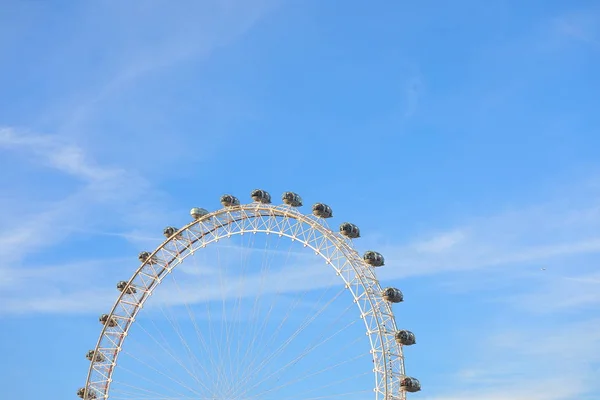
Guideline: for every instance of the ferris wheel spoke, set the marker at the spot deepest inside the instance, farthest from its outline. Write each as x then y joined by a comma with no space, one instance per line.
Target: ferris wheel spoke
244,261
259,327
332,396
158,366
158,371
238,335
307,350
180,336
310,375
139,391
235,321
341,350
334,383
215,374
222,267
141,377
177,329
170,353
254,371
198,333
303,354
275,334
215,362
118,394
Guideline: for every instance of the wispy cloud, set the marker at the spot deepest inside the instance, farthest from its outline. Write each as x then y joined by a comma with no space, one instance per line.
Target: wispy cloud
440,243
544,234
529,362
508,245
165,38
560,292
581,26
100,186
57,153
103,171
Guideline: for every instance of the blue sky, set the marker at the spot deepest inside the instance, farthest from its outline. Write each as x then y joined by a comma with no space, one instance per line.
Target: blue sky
462,138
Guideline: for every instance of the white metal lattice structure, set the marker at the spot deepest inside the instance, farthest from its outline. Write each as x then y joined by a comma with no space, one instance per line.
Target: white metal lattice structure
337,250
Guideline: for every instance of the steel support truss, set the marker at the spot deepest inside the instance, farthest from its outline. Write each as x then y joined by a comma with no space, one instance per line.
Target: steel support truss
312,232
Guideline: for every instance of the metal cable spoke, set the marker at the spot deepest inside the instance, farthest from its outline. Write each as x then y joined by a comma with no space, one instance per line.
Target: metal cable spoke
233,333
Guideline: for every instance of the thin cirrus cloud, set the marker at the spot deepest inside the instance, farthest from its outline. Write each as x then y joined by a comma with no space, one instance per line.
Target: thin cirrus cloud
56,153
541,234
490,243
581,26
522,286
55,221
534,362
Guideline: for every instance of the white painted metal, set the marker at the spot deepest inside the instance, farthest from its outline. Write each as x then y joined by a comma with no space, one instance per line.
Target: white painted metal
312,232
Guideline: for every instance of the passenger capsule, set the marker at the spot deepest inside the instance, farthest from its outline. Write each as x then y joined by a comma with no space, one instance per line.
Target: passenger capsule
99,356
392,295
405,338
228,200
169,231
122,286
410,384
261,196
198,212
322,210
105,320
89,396
144,256
373,258
292,199
349,230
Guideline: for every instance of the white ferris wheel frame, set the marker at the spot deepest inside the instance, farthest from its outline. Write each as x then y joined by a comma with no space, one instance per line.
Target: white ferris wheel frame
312,232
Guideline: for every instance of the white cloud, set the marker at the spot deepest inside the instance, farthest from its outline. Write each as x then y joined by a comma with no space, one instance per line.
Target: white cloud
440,243
536,360
509,364
58,154
164,38
555,293
60,290
502,244
545,234
45,222
550,389
580,26
106,198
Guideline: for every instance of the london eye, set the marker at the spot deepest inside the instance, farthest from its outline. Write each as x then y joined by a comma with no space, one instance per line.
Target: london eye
253,301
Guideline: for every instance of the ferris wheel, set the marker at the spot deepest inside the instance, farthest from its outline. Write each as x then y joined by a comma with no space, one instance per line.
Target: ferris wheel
249,318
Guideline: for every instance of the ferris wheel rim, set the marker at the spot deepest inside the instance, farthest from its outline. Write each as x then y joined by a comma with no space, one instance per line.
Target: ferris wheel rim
388,355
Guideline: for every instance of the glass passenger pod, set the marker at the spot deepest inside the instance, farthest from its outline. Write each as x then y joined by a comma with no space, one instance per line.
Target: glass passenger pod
228,200
405,338
90,395
373,258
144,256
349,230
392,295
292,199
169,231
122,286
99,356
410,384
261,196
105,320
198,212
322,210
